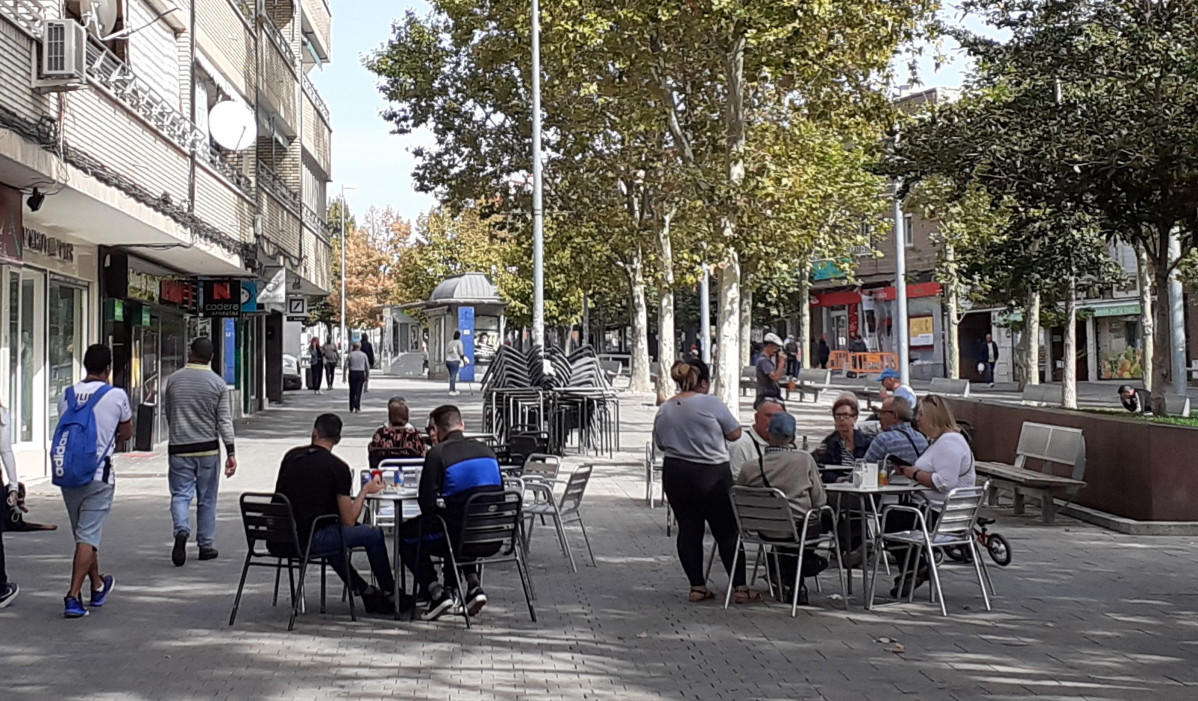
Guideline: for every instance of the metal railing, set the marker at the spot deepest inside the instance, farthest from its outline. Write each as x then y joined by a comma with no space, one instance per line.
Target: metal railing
314,94
314,221
281,43
214,158
272,183
26,14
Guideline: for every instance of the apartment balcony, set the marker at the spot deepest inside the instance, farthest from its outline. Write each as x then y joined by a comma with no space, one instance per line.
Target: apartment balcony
316,254
317,24
317,136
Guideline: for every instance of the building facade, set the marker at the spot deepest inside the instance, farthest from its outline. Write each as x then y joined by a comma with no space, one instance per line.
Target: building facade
133,213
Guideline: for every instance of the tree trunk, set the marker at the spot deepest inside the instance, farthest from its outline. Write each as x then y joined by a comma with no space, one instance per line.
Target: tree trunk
1069,373
640,325
728,379
952,309
746,321
667,343
728,333
1031,340
1147,322
804,331
1161,350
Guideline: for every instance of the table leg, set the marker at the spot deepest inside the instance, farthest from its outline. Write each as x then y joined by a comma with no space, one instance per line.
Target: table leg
395,557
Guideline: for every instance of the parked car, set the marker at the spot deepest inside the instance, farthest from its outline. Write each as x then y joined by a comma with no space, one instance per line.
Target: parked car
292,379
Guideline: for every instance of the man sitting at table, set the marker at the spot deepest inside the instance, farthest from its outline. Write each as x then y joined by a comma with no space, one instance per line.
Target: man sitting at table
752,443
454,470
397,438
795,474
898,437
317,483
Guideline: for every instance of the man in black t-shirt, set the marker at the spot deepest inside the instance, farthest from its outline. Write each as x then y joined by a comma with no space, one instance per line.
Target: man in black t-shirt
317,483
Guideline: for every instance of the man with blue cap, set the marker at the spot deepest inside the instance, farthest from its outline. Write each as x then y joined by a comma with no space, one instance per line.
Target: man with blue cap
892,381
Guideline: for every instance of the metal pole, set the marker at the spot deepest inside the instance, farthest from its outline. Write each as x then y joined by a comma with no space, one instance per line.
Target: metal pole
705,316
1177,322
343,247
900,286
538,241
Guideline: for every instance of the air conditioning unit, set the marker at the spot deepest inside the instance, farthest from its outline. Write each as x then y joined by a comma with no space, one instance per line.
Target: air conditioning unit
64,50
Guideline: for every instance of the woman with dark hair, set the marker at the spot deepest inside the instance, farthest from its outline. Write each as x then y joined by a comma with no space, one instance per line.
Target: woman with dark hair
455,357
315,365
847,443
691,430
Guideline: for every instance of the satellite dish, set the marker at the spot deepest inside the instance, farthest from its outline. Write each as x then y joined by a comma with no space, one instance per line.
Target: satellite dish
232,125
105,13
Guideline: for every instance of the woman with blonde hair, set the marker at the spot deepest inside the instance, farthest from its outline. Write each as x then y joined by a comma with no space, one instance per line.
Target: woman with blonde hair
946,465
692,429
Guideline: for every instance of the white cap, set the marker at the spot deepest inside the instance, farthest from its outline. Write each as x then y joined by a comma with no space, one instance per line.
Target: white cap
773,338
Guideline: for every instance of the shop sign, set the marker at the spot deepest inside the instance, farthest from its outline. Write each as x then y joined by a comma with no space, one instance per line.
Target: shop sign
1118,310
221,298
297,308
828,269
145,317
10,224
923,332
249,297
180,293
143,287
115,310
274,292
49,246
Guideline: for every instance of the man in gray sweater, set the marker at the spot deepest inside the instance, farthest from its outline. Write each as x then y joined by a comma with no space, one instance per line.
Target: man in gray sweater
196,406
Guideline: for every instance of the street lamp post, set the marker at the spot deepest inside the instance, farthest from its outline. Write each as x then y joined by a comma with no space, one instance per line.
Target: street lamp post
344,338
538,240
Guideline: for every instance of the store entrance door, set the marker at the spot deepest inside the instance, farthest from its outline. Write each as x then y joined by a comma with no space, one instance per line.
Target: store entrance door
28,380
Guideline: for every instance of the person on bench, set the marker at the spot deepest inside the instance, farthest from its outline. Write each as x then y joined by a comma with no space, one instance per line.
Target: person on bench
946,465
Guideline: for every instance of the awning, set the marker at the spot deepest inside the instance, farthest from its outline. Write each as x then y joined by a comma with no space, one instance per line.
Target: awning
915,291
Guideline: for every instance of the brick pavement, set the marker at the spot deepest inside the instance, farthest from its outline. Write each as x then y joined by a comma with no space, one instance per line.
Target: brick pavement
1082,613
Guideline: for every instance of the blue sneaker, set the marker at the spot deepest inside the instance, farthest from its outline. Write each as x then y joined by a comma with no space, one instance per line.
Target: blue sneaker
74,608
99,596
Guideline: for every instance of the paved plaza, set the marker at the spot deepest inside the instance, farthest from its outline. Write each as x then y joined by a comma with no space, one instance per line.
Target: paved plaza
1081,612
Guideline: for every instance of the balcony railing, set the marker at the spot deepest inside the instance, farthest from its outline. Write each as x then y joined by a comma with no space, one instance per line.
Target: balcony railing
214,158
269,28
314,94
26,14
247,10
272,183
316,222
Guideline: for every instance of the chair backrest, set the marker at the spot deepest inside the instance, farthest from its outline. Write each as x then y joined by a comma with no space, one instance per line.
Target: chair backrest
960,511
267,518
815,376
760,511
748,373
949,387
542,465
576,488
490,523
1052,445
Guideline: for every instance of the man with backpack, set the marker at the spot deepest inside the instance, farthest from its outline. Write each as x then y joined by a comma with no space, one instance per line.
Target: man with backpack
93,416
196,405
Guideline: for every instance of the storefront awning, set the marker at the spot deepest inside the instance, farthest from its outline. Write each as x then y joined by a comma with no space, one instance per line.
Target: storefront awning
915,291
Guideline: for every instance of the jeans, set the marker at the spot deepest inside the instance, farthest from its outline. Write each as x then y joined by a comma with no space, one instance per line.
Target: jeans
698,493
990,372
434,545
330,370
357,379
452,366
195,477
325,542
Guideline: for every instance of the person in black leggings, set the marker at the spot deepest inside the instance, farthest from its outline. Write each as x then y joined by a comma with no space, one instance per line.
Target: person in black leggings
691,429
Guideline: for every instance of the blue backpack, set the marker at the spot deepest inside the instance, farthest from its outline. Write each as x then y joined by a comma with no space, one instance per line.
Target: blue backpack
73,451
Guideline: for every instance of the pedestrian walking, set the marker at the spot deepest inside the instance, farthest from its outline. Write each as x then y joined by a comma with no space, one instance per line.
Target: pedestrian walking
196,406
93,416
368,349
824,353
455,357
990,357
691,429
332,360
8,590
358,366
315,365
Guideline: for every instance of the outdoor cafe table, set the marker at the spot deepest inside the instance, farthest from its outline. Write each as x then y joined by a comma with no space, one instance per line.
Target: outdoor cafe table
406,507
869,495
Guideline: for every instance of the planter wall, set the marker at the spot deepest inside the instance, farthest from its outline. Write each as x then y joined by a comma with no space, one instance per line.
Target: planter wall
1134,468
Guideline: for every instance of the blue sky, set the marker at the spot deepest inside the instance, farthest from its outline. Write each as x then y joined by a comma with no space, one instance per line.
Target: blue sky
379,163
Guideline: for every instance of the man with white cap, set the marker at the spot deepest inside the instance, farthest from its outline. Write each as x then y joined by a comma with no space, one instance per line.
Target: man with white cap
892,381
771,366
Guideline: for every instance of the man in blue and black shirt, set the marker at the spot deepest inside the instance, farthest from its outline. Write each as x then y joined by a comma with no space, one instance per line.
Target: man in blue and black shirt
454,470
898,438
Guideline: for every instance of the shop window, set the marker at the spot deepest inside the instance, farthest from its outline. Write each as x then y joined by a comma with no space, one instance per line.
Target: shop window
66,334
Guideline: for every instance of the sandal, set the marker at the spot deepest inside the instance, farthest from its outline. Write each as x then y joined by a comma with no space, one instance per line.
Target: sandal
745,595
699,594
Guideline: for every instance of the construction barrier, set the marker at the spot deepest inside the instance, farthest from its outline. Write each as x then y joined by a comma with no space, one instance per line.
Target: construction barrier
873,363
840,361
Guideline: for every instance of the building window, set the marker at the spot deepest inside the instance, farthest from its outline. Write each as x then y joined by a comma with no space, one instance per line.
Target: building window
908,230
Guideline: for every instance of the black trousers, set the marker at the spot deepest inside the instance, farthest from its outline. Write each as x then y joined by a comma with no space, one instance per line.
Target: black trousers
357,379
314,377
698,494
330,371
3,521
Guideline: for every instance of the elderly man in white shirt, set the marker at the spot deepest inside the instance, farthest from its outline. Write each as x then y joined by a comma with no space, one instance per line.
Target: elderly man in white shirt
752,443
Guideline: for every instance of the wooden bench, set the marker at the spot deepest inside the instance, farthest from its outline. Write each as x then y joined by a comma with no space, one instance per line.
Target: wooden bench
1050,447
1041,394
814,381
949,388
